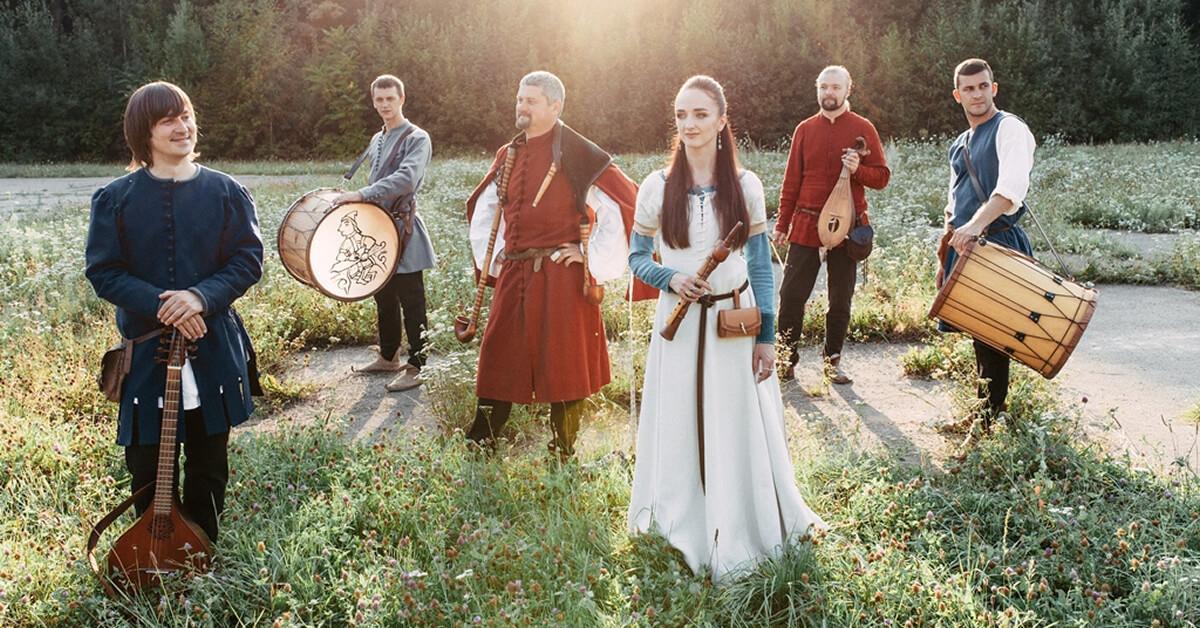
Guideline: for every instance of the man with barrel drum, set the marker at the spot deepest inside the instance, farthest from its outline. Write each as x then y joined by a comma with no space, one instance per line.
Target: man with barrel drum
989,178
815,161
558,229
400,153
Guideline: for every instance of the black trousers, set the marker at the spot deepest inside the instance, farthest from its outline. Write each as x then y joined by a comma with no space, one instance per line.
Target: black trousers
491,415
799,277
205,472
402,301
992,365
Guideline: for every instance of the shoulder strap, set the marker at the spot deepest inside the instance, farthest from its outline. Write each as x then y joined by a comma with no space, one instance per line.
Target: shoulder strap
358,162
983,199
101,526
407,132
148,335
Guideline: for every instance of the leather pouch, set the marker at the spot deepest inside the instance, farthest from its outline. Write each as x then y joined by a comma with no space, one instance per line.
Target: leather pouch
115,365
738,320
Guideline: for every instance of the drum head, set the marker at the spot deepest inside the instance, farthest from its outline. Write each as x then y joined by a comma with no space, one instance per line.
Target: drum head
354,251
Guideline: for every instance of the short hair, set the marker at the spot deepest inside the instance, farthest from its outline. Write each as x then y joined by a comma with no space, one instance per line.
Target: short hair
835,68
384,81
551,86
971,67
147,105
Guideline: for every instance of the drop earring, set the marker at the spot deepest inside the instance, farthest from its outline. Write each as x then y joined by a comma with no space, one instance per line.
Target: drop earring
718,141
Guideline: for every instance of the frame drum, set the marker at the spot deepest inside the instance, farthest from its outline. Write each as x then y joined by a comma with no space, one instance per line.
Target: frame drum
1015,305
348,252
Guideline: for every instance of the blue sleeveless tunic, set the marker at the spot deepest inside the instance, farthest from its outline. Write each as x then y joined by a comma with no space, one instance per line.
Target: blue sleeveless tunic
1004,230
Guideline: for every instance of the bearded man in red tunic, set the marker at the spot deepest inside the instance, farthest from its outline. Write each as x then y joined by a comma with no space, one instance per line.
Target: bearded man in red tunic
564,229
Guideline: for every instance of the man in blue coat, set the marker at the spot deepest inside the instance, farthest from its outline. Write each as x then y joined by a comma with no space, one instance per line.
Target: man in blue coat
174,243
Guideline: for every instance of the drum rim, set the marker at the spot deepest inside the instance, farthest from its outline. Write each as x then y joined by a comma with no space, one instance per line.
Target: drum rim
943,292
283,223
391,267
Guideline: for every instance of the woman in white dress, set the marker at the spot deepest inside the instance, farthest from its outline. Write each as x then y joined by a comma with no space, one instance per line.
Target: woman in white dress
713,474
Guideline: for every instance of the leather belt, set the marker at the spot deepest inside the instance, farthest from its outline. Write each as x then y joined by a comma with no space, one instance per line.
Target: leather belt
705,302
534,254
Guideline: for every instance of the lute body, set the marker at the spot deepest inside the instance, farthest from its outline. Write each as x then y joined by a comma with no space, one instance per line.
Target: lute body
163,541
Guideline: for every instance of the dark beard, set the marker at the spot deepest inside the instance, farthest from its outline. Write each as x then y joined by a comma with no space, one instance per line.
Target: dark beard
825,104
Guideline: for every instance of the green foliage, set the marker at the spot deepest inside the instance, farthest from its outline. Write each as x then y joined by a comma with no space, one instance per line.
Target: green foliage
1033,527
288,80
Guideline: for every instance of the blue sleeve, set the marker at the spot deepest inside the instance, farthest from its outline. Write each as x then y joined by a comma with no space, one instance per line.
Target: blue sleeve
241,252
107,268
641,262
762,280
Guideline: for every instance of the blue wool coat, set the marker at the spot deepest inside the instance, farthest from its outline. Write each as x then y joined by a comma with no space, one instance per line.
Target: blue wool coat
148,235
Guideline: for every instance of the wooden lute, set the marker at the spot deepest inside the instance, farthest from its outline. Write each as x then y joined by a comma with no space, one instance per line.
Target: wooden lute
163,541
837,216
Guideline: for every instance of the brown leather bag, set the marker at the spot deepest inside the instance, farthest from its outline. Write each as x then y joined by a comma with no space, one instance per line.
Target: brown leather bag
115,364
738,320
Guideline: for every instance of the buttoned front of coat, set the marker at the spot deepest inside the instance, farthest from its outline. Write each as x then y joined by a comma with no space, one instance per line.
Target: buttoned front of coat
148,235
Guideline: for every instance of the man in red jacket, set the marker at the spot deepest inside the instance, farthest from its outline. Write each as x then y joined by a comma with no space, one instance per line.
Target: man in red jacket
814,164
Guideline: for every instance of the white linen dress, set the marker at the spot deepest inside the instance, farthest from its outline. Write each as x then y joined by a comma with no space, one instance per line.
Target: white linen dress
749,506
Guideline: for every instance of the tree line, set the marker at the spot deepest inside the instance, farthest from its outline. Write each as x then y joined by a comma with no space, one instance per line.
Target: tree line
287,79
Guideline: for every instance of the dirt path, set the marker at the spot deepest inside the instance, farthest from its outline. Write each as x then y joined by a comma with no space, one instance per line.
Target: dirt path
1139,363
370,411
1136,366
19,196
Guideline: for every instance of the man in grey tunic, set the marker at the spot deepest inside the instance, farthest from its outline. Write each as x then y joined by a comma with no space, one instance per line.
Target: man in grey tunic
399,153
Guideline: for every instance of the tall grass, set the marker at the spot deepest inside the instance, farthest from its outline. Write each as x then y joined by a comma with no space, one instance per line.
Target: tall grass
1030,528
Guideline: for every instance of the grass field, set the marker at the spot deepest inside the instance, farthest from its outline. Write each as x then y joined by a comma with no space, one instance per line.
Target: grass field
1033,527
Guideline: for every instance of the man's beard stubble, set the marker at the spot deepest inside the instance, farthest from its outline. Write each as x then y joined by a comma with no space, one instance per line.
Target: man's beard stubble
523,122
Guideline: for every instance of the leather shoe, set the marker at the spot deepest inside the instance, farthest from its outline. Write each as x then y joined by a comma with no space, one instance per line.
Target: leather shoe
379,365
834,372
409,378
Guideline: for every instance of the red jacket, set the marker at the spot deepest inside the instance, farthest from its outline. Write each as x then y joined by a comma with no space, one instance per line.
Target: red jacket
813,166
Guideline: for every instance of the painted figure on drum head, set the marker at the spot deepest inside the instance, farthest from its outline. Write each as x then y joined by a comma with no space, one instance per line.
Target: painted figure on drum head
360,257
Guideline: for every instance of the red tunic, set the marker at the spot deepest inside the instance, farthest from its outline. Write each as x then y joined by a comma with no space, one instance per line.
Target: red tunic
543,341
814,165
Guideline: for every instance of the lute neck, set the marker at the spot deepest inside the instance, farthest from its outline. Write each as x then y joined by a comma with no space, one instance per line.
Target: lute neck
164,485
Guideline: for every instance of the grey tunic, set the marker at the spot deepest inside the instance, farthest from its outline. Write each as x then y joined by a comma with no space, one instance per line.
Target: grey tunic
398,178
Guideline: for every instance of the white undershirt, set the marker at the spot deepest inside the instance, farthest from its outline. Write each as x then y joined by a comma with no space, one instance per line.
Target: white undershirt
1014,148
191,394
